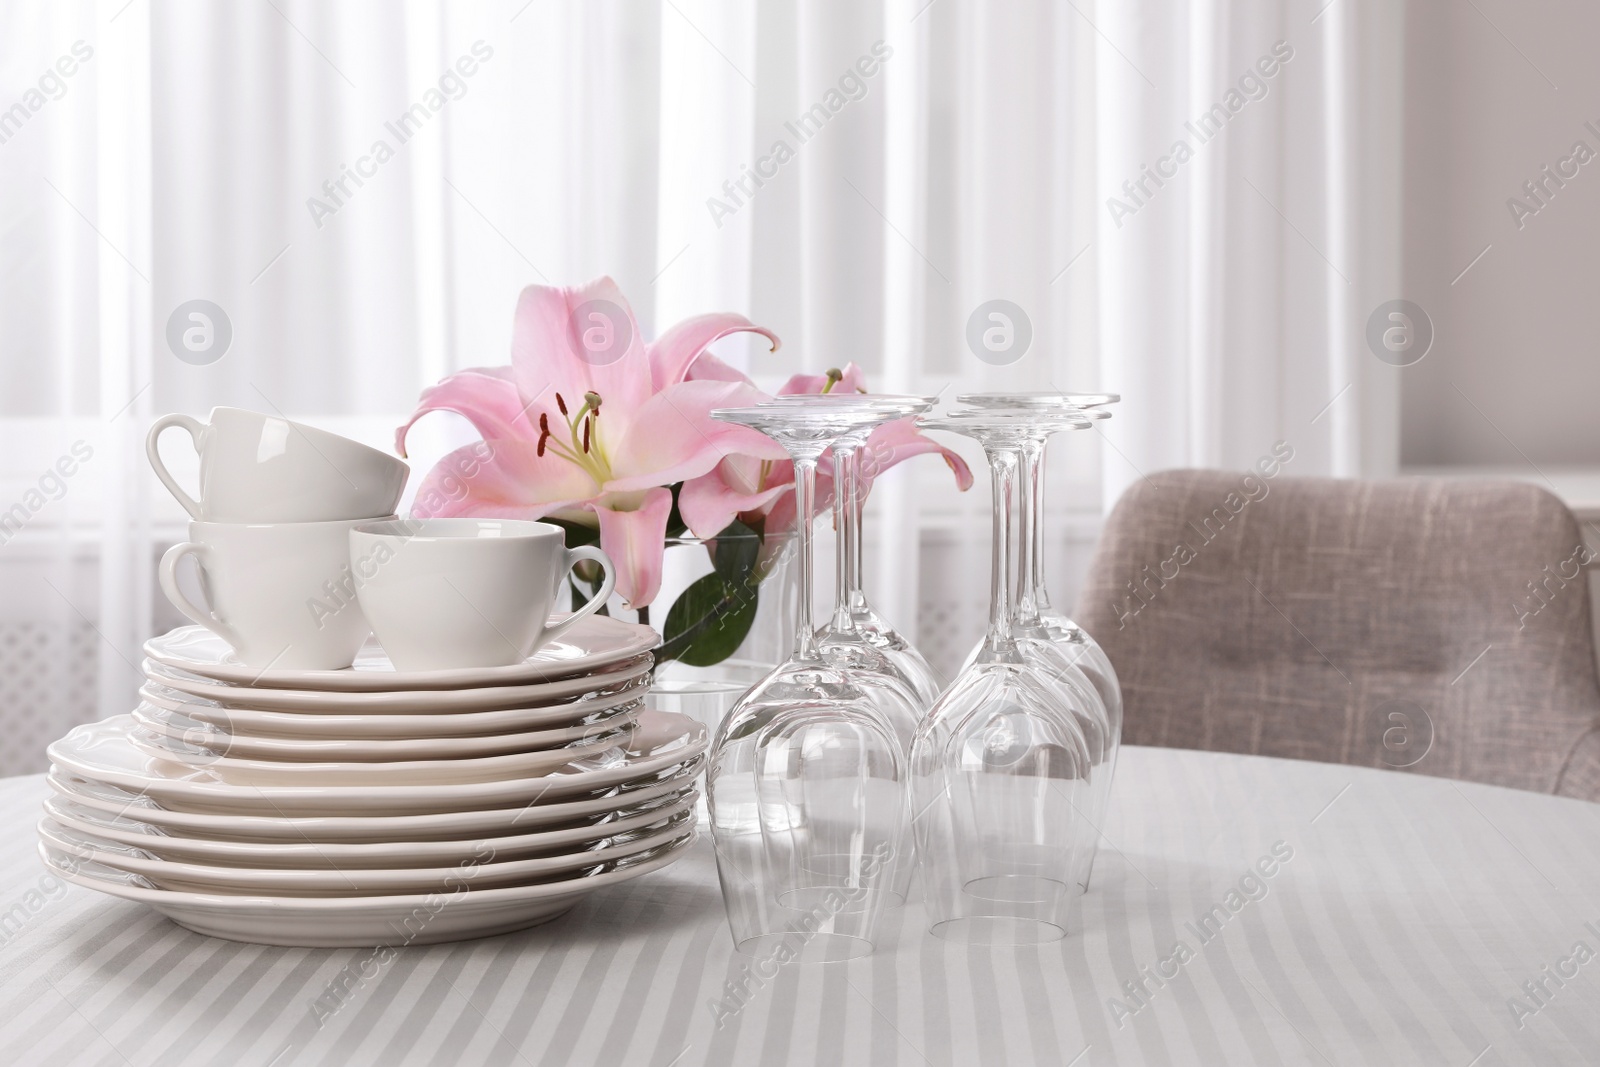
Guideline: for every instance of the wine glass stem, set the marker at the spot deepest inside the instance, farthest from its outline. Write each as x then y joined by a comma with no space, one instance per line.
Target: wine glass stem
1031,596
849,533
805,507
858,506
1003,467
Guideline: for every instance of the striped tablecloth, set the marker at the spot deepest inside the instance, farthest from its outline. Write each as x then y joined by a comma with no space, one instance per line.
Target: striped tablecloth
1245,911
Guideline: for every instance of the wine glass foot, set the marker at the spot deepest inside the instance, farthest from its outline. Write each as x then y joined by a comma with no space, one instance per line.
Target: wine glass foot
1015,889
998,930
799,947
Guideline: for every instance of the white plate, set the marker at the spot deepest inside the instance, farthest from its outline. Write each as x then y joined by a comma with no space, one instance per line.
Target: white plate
312,832
368,727
360,922
180,727
341,855
101,751
594,644
420,700
484,867
602,748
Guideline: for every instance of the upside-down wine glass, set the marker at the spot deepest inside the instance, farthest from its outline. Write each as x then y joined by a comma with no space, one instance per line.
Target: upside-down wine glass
855,624
1000,768
806,779
839,639
864,656
1036,621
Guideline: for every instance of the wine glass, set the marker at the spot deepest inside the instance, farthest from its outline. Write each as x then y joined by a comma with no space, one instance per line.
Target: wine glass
806,779
1042,401
856,631
1001,766
860,621
1037,624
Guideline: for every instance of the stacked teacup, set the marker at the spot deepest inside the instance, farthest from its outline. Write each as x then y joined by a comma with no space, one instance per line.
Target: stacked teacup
289,780
271,534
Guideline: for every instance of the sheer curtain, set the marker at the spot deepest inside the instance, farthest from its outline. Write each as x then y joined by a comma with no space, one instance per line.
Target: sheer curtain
1234,295
362,188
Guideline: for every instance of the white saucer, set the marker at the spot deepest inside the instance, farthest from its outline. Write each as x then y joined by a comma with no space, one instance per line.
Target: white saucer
342,855
402,700
313,832
484,867
359,922
101,751
374,726
595,643
180,727
602,748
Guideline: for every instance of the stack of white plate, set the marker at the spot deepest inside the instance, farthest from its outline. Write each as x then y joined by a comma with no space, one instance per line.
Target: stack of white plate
370,806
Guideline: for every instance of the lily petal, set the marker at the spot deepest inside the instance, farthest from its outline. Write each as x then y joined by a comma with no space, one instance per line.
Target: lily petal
486,396
708,503
780,517
709,368
672,437
675,351
550,349
895,442
501,479
854,381
633,531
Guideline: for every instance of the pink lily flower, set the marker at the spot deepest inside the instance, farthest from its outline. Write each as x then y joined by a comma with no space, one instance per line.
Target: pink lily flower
595,440
743,486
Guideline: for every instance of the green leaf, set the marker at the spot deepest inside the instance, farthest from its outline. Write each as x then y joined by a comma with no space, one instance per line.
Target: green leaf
708,621
734,552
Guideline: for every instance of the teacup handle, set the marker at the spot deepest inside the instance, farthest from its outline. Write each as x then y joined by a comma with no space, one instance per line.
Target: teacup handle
196,430
593,604
168,574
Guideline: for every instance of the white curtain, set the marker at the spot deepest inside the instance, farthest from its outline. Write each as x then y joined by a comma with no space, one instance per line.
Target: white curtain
1234,295
939,156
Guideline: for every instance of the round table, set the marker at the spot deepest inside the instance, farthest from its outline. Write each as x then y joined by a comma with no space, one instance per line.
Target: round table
1244,911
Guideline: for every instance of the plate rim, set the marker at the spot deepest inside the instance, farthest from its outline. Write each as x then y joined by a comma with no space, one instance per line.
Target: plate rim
452,794
57,808
635,689
484,898
602,743
191,820
476,698
643,639
220,871
151,717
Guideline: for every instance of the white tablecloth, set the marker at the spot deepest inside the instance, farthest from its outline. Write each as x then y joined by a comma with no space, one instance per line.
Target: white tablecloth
1405,920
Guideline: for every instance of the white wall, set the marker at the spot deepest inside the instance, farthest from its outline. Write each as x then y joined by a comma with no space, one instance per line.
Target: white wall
1513,376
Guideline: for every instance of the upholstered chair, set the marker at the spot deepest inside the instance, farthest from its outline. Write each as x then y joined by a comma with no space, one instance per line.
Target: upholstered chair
1436,626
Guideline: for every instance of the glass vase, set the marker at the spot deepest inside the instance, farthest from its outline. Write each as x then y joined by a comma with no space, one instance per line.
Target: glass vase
705,686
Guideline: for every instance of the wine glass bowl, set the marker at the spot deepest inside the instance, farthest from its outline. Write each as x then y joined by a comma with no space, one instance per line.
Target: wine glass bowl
999,778
806,780
1049,636
1003,765
808,815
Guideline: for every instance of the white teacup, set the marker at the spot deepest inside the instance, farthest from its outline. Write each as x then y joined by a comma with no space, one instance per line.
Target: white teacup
261,468
282,594
451,593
